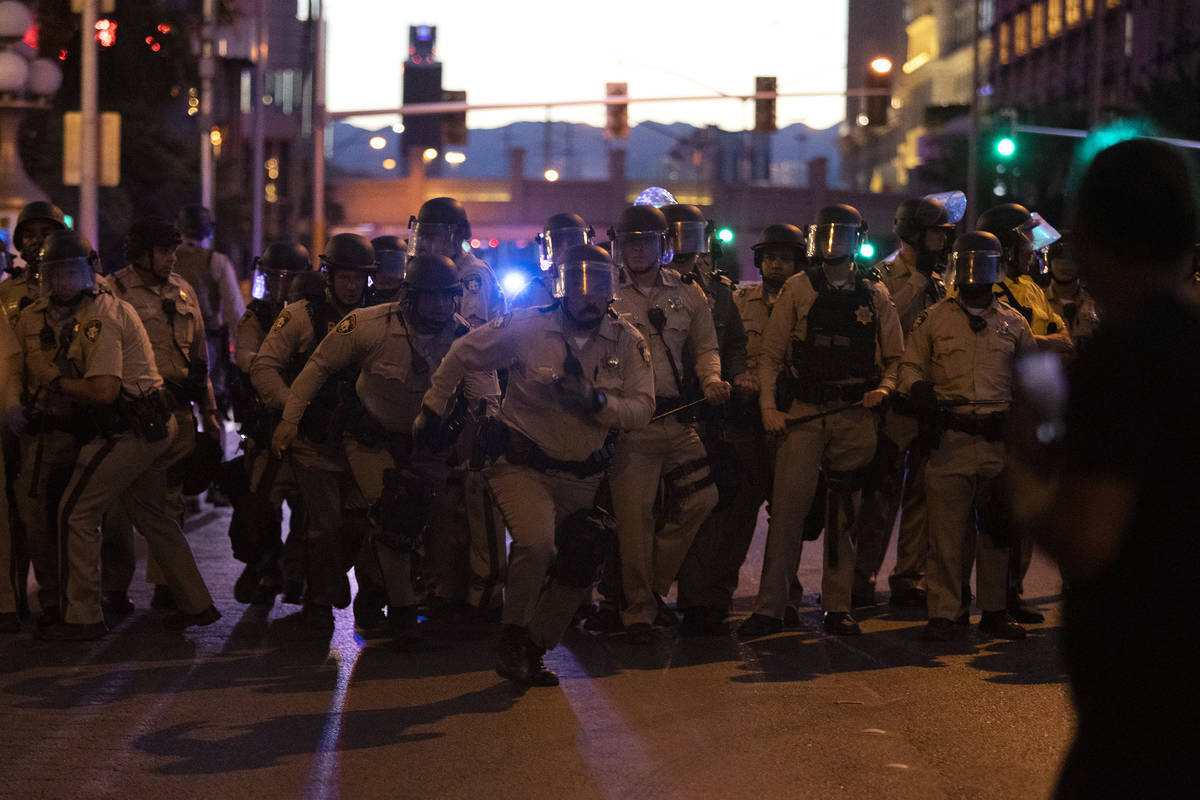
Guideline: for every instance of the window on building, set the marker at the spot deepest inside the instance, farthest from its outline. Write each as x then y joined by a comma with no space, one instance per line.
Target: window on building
1113,3
1074,12
987,15
1088,6
1021,34
1037,24
1054,18
1005,42
1128,34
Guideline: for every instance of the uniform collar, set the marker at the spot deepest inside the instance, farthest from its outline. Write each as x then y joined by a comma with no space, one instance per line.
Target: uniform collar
555,323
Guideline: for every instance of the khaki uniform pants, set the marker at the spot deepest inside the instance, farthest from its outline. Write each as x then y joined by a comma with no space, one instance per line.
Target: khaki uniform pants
9,573
650,558
132,472
534,505
839,443
962,475
323,483
39,514
903,493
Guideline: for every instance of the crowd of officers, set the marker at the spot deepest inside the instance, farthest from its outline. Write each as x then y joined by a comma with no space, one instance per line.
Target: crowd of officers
623,420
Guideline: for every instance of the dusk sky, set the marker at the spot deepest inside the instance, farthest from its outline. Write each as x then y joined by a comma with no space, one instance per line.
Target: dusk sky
536,50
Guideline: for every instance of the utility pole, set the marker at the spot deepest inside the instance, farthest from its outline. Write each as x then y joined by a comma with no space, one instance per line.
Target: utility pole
207,71
1098,8
973,126
258,187
89,125
318,129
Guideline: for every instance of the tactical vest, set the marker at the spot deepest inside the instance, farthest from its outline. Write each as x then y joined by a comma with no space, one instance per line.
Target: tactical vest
194,265
320,420
840,335
265,312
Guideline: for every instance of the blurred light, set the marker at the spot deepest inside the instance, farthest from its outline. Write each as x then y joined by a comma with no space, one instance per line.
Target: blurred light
67,218
862,119
493,242
106,32
398,127
514,283
867,250
164,28
1005,146
430,154
389,163
476,244
155,47
149,40
654,196
377,142
882,65
62,55
215,137
551,174
455,158
258,290
725,235
273,168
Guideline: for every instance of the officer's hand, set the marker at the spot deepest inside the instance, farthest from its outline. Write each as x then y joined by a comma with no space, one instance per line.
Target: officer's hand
774,421
18,420
874,398
45,374
922,395
1054,343
574,394
285,434
747,382
210,423
717,393
425,429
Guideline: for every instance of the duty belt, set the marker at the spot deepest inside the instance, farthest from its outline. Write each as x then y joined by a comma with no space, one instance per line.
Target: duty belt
818,393
989,426
51,423
523,452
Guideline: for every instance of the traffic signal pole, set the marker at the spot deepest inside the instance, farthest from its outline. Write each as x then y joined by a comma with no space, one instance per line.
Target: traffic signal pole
973,126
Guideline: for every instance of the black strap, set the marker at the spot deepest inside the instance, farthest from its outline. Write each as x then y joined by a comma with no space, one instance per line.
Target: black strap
686,468
659,321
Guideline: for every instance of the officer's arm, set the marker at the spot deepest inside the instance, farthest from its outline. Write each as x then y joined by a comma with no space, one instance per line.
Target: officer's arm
335,352
702,334
905,290
914,365
634,406
1026,341
733,359
246,341
776,339
488,347
10,362
232,304
1060,341
891,338
280,343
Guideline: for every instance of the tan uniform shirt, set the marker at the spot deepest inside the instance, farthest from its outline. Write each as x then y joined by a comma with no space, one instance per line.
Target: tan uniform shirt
378,341
247,339
1087,315
176,341
755,305
789,321
688,320
962,364
10,358
291,333
12,291
909,289
40,331
212,276
1030,295
532,343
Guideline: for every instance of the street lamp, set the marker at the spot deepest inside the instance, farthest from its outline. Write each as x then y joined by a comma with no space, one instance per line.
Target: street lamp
25,82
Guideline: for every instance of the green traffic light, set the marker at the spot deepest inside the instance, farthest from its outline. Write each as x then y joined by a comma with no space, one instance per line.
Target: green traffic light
1005,146
867,250
725,235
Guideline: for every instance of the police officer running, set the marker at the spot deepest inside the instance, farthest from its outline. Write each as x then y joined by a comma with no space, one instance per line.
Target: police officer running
561,231
390,254
578,373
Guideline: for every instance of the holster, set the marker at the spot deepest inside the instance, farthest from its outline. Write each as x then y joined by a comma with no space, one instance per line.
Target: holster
401,515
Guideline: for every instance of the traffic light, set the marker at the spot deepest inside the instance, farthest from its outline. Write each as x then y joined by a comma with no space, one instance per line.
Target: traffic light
616,125
879,78
1005,136
725,235
764,108
454,123
422,83
867,250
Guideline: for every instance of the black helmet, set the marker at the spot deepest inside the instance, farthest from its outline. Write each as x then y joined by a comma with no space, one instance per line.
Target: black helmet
560,232
585,270
787,235
429,273
836,234
976,260
348,251
918,214
640,224
440,226
147,234
42,210
66,261
284,256
638,219
195,221
66,245
688,228
1003,221
390,254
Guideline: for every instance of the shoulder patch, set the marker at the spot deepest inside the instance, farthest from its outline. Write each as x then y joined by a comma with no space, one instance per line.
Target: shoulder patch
347,325
924,315
91,331
283,319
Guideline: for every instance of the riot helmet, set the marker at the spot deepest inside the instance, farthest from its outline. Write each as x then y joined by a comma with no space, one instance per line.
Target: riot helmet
431,290
348,259
1063,260
66,260
788,237
687,229
836,235
36,220
586,283
440,227
276,268
976,260
924,224
147,236
561,231
390,255
640,237
195,222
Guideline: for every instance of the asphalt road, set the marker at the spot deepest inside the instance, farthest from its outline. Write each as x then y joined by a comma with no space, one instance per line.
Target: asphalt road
255,707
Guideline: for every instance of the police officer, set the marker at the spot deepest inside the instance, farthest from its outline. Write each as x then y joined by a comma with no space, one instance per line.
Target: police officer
317,456
257,515
10,351
958,366
390,255
675,319
394,347
441,227
914,279
832,344
560,232
109,373
35,221
1066,294
1013,225
578,374
168,308
215,285
709,576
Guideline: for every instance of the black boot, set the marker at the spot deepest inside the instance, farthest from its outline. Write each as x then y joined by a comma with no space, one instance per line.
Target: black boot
402,622
539,675
512,655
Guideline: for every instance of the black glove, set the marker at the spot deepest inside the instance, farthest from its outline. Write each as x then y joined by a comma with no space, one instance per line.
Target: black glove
922,396
576,395
426,429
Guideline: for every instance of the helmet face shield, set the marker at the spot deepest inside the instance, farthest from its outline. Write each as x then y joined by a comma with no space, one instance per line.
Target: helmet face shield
390,264
63,280
641,250
974,268
433,238
271,283
833,241
559,240
1039,233
689,236
596,280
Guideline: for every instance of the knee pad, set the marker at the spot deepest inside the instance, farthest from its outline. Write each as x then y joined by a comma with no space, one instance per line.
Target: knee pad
583,541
